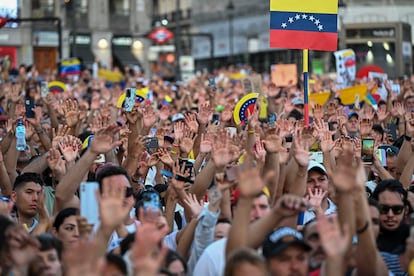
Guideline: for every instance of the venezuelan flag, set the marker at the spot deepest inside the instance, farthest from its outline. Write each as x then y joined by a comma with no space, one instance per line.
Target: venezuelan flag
70,67
304,24
56,87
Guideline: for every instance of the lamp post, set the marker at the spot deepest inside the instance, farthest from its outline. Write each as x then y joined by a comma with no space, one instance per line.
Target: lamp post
177,40
230,9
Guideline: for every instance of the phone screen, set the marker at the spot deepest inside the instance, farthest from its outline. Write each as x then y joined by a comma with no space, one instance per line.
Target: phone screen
44,88
367,151
129,99
29,106
88,202
151,144
188,165
151,201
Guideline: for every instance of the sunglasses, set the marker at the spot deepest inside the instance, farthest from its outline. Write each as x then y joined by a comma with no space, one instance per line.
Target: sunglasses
396,209
129,192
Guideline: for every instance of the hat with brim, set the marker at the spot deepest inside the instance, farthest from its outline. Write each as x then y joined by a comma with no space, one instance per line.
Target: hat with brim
281,239
316,166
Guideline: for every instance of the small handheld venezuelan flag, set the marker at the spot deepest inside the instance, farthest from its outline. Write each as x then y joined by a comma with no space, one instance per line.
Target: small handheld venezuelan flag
304,24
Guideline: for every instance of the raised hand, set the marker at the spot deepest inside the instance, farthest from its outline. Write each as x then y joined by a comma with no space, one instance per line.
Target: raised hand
317,112
147,256
204,113
206,144
103,142
259,151
382,114
85,228
29,130
69,146
133,116
187,142
221,153
56,163
290,205
300,149
149,116
114,207
62,131
179,128
315,198
191,122
81,259
273,142
327,143
21,247
334,241
365,127
178,185
344,176
165,157
227,113
250,182
195,206
35,122
71,112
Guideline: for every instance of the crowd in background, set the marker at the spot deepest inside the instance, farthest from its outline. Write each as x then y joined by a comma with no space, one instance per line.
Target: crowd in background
270,196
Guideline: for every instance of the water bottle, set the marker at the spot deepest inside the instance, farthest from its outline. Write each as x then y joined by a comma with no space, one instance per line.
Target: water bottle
20,136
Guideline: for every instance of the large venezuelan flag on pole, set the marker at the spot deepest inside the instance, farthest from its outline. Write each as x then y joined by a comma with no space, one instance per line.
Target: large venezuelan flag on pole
304,24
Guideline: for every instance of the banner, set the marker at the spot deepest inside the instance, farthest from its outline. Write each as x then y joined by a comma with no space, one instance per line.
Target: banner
345,67
304,24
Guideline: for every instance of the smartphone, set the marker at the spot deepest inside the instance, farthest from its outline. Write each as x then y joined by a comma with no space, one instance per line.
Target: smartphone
248,86
382,156
29,106
44,89
317,156
367,150
151,144
231,130
393,131
89,207
188,165
271,119
151,201
356,104
212,84
215,117
129,99
230,174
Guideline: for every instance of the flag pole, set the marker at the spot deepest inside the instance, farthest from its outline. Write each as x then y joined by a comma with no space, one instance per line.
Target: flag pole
306,85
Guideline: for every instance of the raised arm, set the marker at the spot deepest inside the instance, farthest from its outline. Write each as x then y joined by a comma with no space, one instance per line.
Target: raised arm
101,143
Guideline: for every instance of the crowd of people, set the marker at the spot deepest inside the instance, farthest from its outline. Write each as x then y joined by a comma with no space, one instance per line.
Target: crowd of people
180,189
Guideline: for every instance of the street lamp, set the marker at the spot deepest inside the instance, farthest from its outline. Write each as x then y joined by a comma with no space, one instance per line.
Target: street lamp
230,9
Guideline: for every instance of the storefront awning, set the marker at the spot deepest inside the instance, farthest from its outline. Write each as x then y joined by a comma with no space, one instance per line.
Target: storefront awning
85,54
124,56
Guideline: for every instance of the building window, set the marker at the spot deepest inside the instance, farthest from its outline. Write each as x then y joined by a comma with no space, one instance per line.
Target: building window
119,7
41,8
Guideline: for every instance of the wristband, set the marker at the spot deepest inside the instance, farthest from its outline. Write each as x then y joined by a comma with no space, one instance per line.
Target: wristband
363,229
408,138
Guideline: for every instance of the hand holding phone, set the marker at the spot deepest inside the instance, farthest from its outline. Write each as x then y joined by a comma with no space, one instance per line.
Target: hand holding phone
129,99
89,207
367,150
44,89
29,104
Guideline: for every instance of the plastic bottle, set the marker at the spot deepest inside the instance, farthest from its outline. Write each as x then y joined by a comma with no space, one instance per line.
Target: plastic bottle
20,136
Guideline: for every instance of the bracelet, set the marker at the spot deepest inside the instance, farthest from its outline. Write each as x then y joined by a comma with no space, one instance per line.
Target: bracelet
40,131
408,138
251,131
360,231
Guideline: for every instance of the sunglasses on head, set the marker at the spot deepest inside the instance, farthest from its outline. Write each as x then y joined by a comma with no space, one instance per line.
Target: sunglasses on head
396,209
129,192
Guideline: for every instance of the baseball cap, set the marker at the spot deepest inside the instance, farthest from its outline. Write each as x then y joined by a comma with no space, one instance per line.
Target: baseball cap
281,239
313,165
298,101
353,114
176,117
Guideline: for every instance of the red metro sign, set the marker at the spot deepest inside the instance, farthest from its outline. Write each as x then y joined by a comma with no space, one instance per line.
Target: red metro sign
3,21
161,35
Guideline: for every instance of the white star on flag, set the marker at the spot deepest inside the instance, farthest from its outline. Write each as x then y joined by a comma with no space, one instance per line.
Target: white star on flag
311,18
297,16
317,21
290,20
304,16
284,25
320,27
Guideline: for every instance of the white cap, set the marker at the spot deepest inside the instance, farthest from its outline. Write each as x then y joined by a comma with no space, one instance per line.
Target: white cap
313,165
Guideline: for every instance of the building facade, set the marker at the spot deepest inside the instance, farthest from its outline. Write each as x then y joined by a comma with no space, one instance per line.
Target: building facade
109,30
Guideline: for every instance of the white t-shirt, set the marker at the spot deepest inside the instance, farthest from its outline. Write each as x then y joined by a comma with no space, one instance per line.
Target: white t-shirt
213,260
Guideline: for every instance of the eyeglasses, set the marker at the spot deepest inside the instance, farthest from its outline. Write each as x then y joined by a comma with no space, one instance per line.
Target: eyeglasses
396,209
129,192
